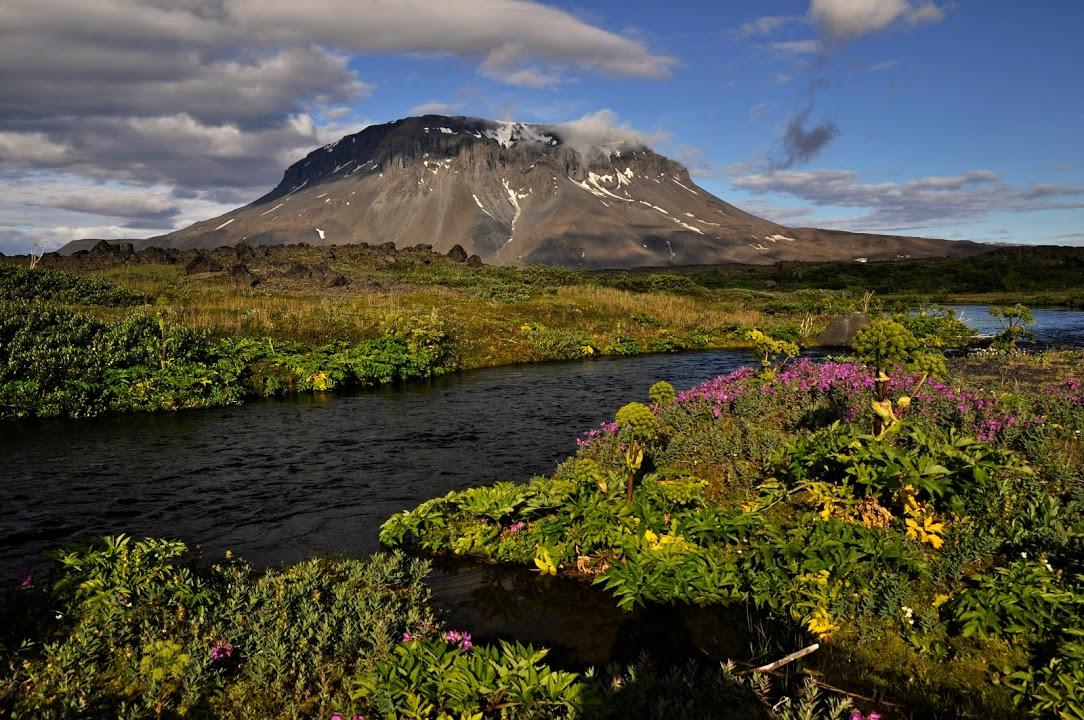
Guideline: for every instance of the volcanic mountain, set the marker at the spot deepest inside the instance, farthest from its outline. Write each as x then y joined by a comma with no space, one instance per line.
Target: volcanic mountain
516,193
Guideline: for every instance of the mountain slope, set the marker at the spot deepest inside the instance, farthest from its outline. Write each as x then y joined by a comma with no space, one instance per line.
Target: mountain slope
515,194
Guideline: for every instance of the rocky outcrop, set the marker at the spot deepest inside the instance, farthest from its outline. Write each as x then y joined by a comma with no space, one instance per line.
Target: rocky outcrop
202,264
841,330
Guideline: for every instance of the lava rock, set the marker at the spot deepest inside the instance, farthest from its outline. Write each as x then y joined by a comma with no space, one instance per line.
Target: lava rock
295,270
335,280
841,330
388,246
202,264
457,253
242,276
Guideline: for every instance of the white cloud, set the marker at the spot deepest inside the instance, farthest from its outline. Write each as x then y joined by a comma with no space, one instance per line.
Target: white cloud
601,132
883,65
33,149
767,25
843,20
797,47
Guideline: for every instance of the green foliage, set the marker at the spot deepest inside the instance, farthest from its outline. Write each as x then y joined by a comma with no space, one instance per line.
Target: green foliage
938,464
661,393
884,343
41,285
59,363
637,420
758,492
772,351
935,326
140,635
552,344
437,678
1025,598
1014,320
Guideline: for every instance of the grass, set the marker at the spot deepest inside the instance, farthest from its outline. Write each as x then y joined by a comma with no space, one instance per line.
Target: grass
482,314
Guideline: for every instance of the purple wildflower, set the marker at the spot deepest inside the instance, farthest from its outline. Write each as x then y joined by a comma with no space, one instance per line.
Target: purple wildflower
517,527
457,637
407,637
221,651
26,580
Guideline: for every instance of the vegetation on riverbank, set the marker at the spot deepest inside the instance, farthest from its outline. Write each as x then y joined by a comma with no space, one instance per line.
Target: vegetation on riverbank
136,629
118,337
146,337
57,362
939,557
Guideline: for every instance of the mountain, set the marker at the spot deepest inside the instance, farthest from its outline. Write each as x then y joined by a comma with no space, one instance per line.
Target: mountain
516,193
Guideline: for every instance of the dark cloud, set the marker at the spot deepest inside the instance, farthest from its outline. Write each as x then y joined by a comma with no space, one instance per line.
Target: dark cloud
922,202
138,209
799,143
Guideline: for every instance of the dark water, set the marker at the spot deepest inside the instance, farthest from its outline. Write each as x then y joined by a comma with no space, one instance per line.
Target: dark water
1055,327
280,481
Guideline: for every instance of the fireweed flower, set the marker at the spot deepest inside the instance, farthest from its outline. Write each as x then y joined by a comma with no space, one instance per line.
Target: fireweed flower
221,651
517,527
457,637
407,637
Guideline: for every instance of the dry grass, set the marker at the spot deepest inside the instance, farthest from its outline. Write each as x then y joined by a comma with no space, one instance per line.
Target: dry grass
486,331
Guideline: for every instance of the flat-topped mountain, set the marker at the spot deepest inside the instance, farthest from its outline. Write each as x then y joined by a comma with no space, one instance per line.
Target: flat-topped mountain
516,193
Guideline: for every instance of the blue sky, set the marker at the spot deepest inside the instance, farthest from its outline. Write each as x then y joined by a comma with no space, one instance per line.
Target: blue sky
947,119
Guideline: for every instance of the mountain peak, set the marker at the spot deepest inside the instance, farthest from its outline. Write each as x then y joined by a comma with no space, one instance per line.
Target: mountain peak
580,193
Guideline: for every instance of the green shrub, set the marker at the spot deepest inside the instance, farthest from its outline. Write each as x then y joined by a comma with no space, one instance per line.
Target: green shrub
41,285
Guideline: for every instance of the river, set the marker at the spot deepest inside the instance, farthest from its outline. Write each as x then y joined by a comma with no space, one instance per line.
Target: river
279,481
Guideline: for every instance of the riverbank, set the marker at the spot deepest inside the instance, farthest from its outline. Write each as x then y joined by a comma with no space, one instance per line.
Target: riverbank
941,561
123,336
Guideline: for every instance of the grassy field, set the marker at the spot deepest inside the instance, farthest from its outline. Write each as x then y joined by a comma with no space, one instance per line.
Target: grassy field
487,310
177,329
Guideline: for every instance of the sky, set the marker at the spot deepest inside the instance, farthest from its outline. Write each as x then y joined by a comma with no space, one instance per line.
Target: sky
960,120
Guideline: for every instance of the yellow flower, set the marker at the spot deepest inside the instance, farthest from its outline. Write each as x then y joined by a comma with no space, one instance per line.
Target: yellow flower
544,562
820,624
940,599
587,350
651,537
320,381
904,402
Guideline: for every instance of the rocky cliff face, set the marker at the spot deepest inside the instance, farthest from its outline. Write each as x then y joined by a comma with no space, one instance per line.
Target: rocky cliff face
514,194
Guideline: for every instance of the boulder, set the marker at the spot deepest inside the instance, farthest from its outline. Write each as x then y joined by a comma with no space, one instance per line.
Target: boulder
242,276
457,253
841,330
202,264
335,280
474,261
295,270
388,246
